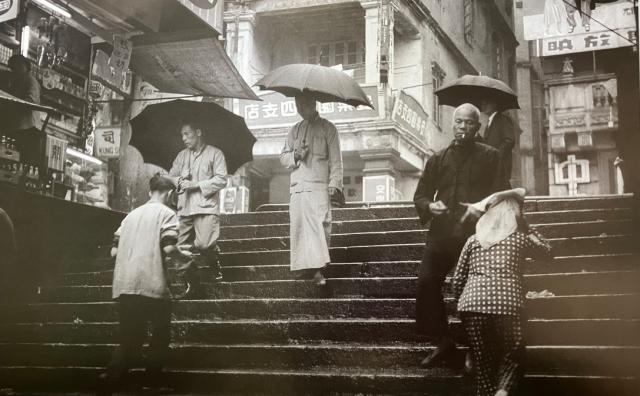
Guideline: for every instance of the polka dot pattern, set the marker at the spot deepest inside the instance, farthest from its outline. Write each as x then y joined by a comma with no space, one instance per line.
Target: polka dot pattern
490,280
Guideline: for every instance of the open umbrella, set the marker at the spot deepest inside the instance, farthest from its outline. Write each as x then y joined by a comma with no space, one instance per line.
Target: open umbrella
327,84
473,89
156,132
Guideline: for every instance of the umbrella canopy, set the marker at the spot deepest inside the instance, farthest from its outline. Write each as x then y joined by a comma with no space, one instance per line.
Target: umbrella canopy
156,132
325,83
473,89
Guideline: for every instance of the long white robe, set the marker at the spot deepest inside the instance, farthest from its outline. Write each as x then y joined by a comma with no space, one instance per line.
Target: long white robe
311,178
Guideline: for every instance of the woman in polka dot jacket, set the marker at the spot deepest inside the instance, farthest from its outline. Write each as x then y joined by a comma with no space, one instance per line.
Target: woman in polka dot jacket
489,289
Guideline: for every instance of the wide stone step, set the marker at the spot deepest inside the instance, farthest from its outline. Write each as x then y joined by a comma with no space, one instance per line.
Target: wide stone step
280,214
417,235
414,251
558,307
592,263
316,381
552,230
538,203
558,284
541,360
539,331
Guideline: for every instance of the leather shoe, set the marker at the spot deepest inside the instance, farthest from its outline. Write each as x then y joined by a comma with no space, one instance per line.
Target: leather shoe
439,356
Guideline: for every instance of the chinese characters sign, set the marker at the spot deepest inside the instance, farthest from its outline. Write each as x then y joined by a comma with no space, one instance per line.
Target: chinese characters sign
566,26
586,42
276,110
409,114
56,152
120,57
107,142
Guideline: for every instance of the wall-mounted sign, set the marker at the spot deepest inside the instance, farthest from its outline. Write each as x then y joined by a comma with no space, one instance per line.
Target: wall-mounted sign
277,110
410,115
56,152
568,26
107,142
8,10
378,188
586,42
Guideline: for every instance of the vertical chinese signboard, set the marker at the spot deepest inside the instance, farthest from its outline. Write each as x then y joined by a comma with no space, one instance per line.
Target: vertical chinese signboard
409,114
559,28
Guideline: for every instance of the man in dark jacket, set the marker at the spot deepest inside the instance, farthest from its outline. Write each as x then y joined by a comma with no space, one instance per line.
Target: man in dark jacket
499,133
466,171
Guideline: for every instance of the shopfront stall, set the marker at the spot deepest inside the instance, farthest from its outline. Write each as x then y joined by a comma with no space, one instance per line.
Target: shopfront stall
93,63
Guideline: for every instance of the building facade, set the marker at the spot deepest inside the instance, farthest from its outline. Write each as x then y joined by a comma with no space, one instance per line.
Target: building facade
577,79
400,51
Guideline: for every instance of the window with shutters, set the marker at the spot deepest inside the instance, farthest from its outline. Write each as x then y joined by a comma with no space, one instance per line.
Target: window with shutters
498,56
468,21
437,79
344,53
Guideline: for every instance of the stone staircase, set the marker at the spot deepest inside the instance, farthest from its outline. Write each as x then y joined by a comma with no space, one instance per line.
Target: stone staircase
262,332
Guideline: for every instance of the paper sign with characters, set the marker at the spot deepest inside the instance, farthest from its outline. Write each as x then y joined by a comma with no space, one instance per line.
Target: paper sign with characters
568,26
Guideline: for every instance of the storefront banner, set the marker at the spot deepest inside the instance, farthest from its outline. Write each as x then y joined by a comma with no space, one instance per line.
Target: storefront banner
107,142
554,18
190,63
586,42
277,110
410,115
8,10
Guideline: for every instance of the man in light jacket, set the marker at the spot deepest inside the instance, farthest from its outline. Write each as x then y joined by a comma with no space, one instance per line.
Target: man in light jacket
200,172
312,153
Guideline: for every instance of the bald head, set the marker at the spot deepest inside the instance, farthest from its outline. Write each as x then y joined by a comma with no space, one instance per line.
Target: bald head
466,122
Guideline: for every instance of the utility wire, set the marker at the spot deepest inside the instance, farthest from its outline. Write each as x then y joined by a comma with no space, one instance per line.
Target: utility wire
598,22
152,99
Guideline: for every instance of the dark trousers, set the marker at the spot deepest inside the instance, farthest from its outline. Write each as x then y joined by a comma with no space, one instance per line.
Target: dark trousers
440,257
498,350
135,314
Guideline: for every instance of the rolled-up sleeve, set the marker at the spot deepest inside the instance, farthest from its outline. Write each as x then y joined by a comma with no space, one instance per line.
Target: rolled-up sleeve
219,179
169,231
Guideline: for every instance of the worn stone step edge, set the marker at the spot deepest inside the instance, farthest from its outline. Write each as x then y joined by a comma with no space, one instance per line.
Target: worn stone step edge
402,224
557,307
321,381
541,359
539,331
557,283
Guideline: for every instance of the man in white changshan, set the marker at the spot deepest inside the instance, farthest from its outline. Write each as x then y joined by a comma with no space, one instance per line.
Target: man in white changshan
312,153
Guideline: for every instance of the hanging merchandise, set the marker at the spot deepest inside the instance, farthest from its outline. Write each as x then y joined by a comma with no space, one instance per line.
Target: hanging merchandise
54,52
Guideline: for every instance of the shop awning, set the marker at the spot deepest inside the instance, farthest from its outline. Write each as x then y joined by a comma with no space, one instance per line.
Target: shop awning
6,98
188,63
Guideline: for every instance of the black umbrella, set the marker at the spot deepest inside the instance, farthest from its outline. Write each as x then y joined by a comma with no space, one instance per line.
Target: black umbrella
156,132
473,89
